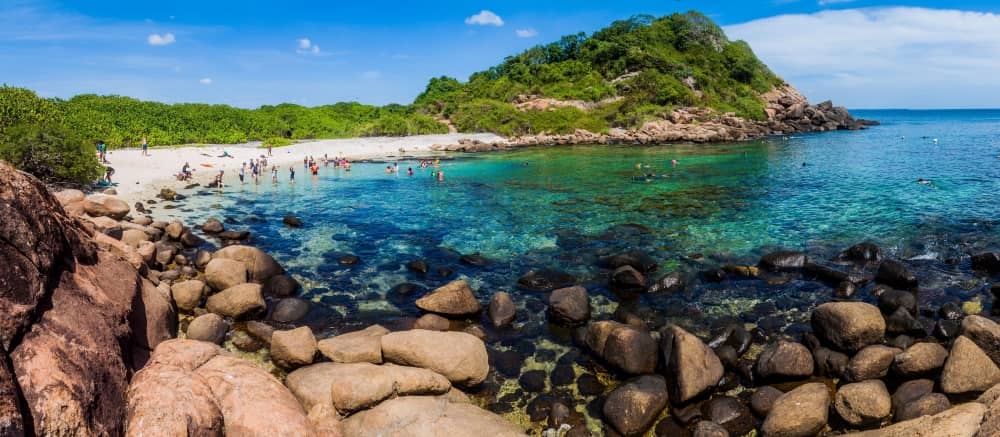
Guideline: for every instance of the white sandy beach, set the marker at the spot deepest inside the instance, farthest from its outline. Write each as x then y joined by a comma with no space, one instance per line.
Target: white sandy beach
140,177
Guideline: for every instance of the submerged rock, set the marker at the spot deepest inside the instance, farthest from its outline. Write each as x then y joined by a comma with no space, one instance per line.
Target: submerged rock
668,283
626,279
862,253
895,274
987,262
545,280
569,306
501,310
638,260
783,260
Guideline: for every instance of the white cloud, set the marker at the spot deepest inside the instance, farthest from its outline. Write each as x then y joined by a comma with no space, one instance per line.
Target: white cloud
485,18
205,81
161,40
883,57
306,47
833,2
526,33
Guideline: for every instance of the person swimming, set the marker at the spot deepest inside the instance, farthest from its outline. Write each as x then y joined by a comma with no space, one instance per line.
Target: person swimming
409,171
440,175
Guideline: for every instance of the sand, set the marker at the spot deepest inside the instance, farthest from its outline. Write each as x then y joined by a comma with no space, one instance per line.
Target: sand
141,177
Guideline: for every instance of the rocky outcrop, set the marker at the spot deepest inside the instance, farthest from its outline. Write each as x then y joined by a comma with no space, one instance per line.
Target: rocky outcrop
364,346
192,388
787,112
71,315
962,420
356,386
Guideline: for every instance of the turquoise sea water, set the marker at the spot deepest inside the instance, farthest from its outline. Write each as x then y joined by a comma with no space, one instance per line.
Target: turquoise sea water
564,207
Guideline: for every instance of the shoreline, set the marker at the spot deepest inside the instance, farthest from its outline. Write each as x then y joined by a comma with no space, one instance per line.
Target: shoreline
141,177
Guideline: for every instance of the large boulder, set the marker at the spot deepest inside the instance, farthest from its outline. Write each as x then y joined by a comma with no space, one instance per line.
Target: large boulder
427,416
848,326
569,306
801,412
100,205
692,366
260,266
188,294
632,407
501,310
784,360
208,327
154,317
350,387
221,274
364,346
962,420
630,350
454,299
458,356
237,302
863,403
985,333
293,348
968,369
870,363
920,359
171,401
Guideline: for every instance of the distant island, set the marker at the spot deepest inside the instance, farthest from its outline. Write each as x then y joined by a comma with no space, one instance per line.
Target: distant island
641,80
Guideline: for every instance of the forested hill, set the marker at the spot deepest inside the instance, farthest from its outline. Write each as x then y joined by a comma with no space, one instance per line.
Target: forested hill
630,72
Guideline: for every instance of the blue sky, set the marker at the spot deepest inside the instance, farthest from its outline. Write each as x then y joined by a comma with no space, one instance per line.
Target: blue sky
861,53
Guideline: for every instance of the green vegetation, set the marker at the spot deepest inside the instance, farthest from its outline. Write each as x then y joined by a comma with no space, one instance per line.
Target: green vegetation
641,68
631,72
34,138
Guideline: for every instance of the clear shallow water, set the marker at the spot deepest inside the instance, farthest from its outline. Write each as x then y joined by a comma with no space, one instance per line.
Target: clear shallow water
564,207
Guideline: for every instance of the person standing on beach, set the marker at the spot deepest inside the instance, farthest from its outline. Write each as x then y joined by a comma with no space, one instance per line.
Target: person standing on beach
145,147
108,172
291,173
243,172
269,150
274,174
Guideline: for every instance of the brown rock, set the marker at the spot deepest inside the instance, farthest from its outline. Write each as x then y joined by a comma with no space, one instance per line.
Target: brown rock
502,309
799,413
99,205
237,302
863,403
221,274
870,363
962,420
453,299
631,350
364,346
985,333
569,306
784,360
432,322
694,366
849,326
153,316
968,369
427,416
763,399
260,266
208,327
170,401
350,387
920,359
458,356
632,407
11,418
293,348
188,294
